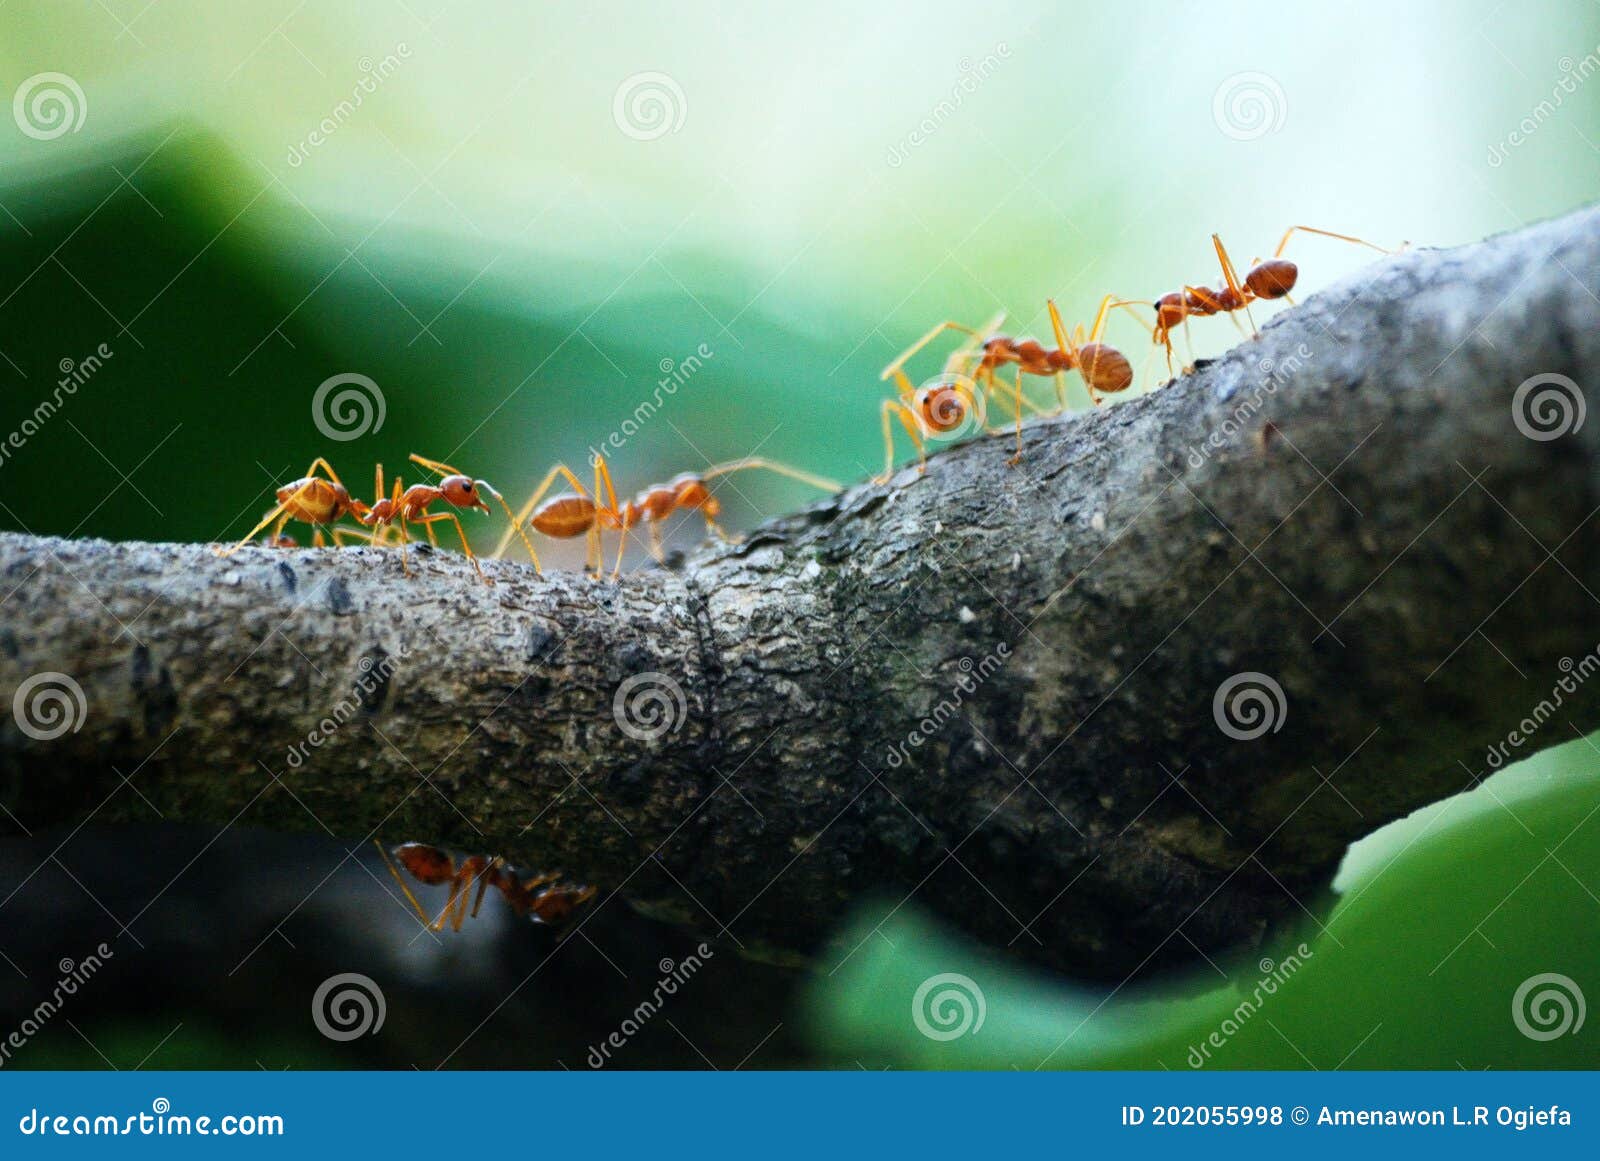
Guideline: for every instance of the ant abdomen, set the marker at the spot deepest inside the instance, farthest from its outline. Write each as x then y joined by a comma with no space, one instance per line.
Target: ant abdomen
1273,278
563,517
1104,368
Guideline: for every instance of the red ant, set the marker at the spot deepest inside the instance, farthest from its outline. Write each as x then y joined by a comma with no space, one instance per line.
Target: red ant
411,507
312,500
584,513
1268,280
543,897
942,405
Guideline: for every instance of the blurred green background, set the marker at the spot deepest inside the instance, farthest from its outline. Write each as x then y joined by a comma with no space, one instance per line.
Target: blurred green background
535,213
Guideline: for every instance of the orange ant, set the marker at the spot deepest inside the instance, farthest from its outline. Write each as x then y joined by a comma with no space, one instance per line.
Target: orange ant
584,513
543,897
312,500
410,506
941,406
1265,281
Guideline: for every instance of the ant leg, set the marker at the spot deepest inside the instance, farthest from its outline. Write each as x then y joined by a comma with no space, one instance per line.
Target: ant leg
893,369
751,462
449,906
908,421
444,469
520,517
1016,457
277,511
316,538
339,535
434,518
485,880
404,890
1278,253
1232,276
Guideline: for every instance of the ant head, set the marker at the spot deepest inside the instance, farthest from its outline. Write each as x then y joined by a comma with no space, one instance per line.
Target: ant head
462,492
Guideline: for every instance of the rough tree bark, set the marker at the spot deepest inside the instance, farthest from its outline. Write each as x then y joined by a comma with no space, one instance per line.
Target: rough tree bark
1348,506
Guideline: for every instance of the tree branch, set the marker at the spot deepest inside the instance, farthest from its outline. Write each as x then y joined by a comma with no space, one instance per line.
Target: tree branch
991,686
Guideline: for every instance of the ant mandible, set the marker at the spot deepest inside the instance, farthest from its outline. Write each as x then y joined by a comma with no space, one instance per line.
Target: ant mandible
312,499
543,897
1265,281
581,512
